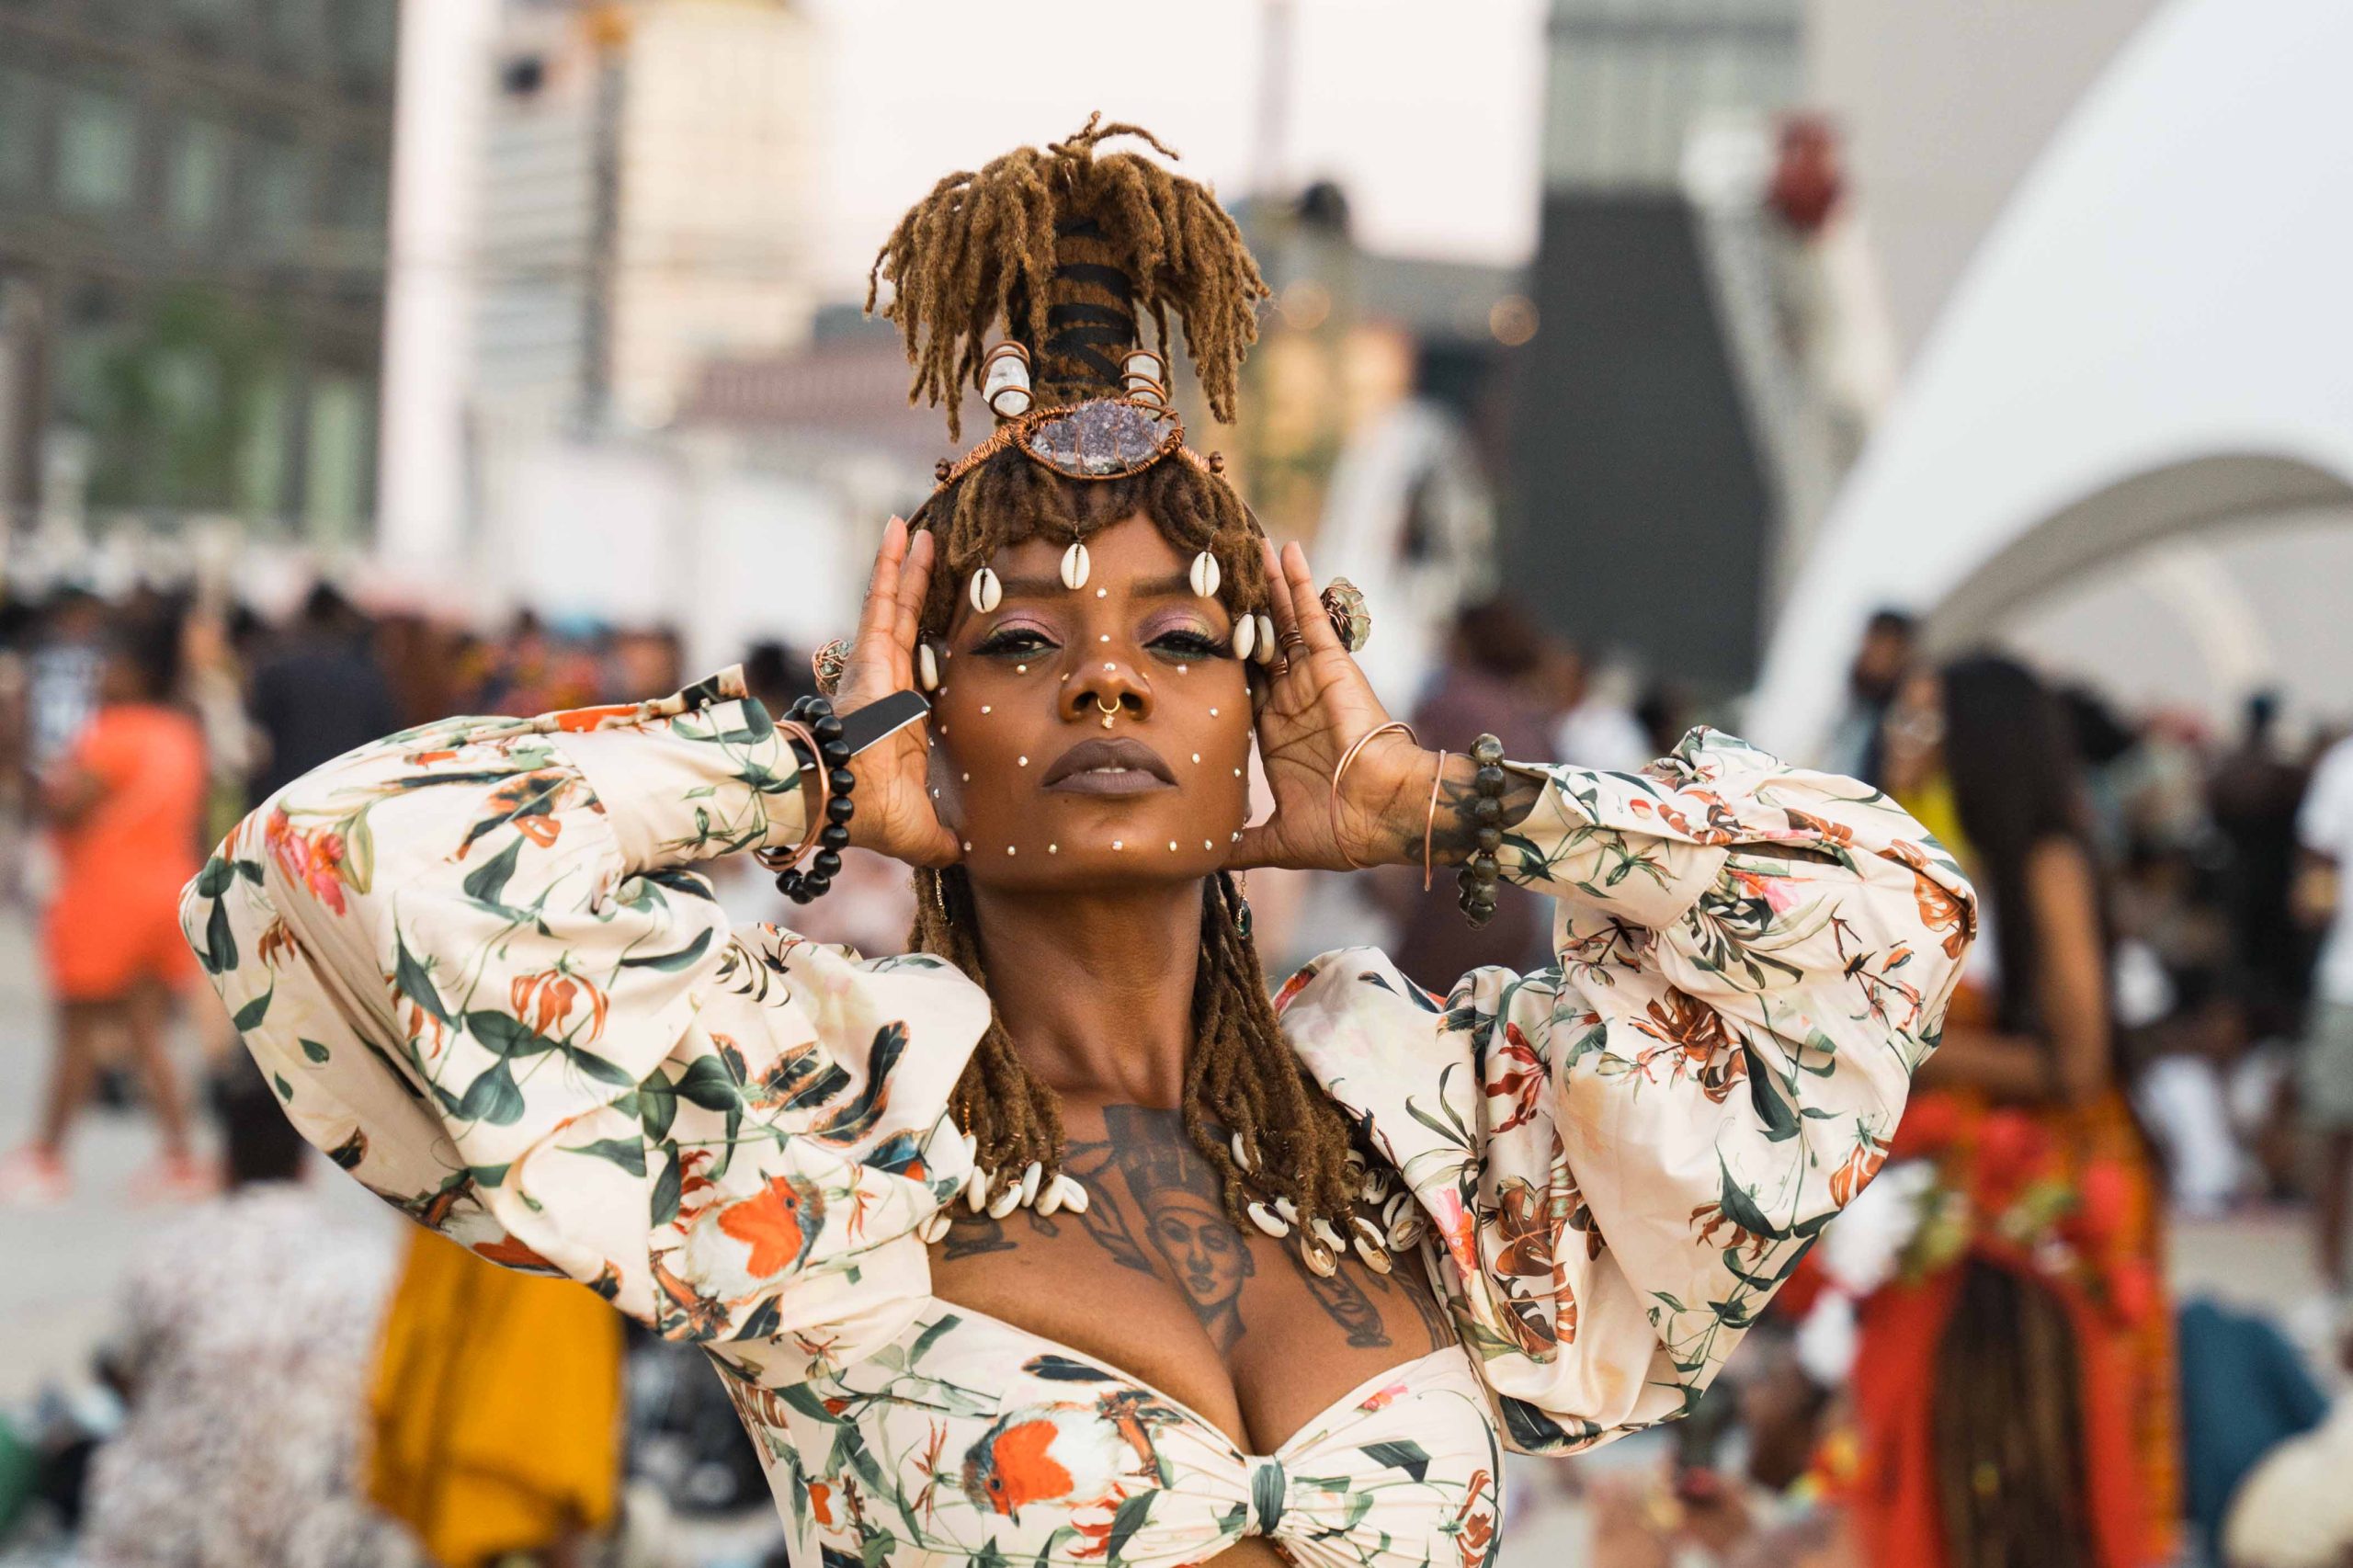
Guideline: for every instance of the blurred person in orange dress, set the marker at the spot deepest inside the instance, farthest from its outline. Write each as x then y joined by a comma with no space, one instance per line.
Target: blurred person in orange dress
2014,1378
126,805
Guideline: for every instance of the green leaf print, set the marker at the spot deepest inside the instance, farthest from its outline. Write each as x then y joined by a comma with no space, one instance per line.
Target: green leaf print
315,1050
1124,1525
626,1153
219,952
285,1090
597,1067
1405,1454
507,1035
415,984
214,879
663,1208
1741,1211
249,1016
487,882
492,1098
671,963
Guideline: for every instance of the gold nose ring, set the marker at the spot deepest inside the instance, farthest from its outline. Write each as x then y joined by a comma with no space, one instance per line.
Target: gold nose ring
1110,710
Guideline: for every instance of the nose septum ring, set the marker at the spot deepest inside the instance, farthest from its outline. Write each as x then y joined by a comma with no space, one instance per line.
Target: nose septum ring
1110,710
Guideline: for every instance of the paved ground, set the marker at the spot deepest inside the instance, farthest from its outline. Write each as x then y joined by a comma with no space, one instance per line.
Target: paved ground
59,1268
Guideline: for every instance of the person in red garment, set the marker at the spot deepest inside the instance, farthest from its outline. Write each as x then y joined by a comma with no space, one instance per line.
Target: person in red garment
125,805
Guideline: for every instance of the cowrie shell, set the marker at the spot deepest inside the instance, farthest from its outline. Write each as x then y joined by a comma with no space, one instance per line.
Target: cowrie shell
1241,1155
1030,1179
926,666
931,1230
1246,636
987,592
1007,1202
1264,1218
1206,575
1287,1209
1375,1258
1327,1235
1075,566
1073,1192
1321,1261
1265,651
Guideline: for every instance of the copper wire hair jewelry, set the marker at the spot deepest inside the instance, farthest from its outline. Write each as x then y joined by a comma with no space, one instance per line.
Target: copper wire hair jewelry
1068,253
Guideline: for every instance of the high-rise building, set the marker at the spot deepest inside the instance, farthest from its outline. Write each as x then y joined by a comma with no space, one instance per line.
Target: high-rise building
1640,499
192,249
646,185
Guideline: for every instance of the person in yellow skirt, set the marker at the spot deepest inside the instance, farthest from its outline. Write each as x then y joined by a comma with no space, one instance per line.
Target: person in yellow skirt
495,1412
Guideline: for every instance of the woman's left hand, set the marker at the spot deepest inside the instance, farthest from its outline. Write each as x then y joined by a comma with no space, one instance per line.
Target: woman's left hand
1316,705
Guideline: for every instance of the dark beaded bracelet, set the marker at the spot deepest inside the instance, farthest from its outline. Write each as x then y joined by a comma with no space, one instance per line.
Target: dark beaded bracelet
1480,873
817,716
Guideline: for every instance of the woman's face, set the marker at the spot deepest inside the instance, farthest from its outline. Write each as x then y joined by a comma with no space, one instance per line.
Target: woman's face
1912,739
1026,772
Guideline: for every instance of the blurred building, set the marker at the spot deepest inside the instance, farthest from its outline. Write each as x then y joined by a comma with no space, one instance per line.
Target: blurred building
647,178
193,251
1642,496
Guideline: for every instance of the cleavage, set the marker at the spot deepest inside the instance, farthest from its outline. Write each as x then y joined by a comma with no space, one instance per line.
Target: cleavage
1155,1282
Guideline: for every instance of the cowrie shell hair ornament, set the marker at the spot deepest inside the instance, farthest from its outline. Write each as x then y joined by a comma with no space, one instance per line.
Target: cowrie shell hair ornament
1206,575
1075,566
987,593
926,666
1005,383
1246,636
1265,651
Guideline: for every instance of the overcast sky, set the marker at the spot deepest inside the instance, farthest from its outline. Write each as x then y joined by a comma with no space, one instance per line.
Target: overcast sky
1428,111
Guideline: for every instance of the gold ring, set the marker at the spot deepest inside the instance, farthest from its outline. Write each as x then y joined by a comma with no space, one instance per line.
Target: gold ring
1110,710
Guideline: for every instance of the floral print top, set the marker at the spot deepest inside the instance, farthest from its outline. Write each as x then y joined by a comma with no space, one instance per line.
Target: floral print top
480,967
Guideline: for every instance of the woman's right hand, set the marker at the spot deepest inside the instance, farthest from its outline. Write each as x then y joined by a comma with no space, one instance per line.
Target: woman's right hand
894,813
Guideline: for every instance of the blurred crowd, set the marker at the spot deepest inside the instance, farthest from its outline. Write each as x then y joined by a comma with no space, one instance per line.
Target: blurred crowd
1982,1364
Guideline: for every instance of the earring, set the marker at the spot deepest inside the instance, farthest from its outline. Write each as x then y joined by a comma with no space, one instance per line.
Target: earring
987,593
1075,566
1265,651
1246,636
939,895
1206,575
1239,889
926,666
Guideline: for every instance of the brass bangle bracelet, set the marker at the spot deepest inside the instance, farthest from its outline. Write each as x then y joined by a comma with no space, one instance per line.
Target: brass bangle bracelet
1430,817
1341,772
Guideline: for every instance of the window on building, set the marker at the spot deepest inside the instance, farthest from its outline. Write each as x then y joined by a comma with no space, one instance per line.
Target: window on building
195,176
358,195
276,190
24,105
289,30
97,149
262,455
365,34
337,457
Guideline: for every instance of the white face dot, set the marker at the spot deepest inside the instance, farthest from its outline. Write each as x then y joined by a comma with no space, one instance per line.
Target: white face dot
1105,638
1172,847
986,708
1196,757
1182,669
968,846
1115,844
1212,712
1102,593
1009,849
1108,665
1024,761
1207,845
1021,669
1237,773
1053,849
968,778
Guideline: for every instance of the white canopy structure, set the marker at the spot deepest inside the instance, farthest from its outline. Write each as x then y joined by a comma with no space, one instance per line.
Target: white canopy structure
2155,337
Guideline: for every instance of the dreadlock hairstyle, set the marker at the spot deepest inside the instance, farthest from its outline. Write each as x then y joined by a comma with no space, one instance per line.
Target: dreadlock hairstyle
1062,247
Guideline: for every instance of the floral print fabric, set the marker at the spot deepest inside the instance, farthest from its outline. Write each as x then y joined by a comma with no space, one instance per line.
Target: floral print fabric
480,966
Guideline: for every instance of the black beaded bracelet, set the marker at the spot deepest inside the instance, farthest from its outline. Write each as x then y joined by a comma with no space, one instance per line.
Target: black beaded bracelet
817,716
1481,873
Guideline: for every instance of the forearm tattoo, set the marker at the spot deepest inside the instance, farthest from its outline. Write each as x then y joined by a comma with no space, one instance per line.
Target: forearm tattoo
1452,830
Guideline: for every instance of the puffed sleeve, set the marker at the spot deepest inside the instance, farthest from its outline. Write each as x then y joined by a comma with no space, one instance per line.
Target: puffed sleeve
1621,1157
477,963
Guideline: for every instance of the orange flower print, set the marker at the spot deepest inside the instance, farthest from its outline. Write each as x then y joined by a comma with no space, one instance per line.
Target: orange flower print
276,942
1476,1519
313,858
1940,909
821,1502
1703,1044
1711,1218
547,1000
1522,1081
1861,1164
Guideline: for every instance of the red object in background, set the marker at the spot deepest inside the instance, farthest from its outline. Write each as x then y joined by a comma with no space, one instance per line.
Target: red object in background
1808,179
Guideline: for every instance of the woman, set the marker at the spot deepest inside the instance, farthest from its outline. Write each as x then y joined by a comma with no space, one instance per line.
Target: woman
2013,1384
1228,1275
125,803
